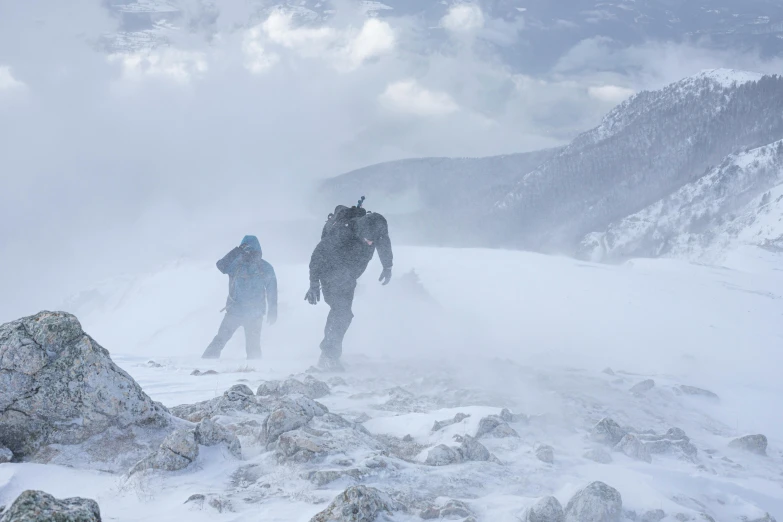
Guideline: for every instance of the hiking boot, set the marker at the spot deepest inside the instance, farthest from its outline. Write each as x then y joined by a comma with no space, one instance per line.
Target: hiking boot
330,364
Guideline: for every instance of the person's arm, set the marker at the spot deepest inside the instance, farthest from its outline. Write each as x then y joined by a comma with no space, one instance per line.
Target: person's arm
225,265
271,293
318,266
384,248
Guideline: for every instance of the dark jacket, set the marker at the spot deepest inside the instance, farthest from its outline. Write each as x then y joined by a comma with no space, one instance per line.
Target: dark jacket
343,255
252,284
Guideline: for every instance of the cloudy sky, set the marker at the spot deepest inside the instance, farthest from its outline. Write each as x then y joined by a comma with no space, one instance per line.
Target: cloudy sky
111,162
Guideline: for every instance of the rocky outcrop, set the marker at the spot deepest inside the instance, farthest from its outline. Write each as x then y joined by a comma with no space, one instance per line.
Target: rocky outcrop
451,510
59,386
608,432
547,509
753,443
545,453
597,502
495,426
37,506
356,504
310,387
469,450
697,392
643,387
6,455
439,425
631,446
673,442
209,433
442,455
290,414
238,398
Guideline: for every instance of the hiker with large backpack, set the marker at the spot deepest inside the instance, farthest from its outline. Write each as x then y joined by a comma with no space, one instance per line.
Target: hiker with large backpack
349,239
252,292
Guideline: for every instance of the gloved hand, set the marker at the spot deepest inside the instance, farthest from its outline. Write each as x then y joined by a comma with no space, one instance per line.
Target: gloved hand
314,294
385,276
271,318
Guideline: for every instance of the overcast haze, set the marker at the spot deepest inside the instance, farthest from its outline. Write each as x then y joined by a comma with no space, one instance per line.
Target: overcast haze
117,162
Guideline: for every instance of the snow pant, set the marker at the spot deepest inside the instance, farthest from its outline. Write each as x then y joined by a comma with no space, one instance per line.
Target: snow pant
230,324
339,296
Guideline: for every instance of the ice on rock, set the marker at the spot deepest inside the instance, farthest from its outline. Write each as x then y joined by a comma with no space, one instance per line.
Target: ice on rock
673,442
495,426
598,502
238,398
209,433
547,509
176,452
310,387
631,446
37,506
473,450
608,432
6,455
753,443
442,455
451,510
545,453
356,504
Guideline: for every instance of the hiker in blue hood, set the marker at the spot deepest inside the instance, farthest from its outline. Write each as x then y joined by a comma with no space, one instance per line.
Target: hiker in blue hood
252,292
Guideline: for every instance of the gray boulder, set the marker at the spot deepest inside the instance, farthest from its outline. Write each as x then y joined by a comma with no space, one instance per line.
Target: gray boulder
443,455
6,455
176,452
643,387
495,426
753,443
547,509
473,450
698,392
323,477
310,387
599,455
452,510
439,425
597,502
673,442
545,453
290,414
209,433
655,515
238,398
608,432
631,446
37,506
356,504
59,386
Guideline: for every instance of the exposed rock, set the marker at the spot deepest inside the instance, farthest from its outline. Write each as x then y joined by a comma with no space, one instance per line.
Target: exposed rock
673,442
608,432
216,502
443,455
311,387
325,436
599,455
545,453
597,502
634,448
655,515
495,426
323,477
643,386
58,386
692,390
547,509
608,371
209,433
176,452
454,510
37,506
402,449
199,373
471,449
238,398
439,425
6,455
153,364
336,381
753,443
765,518
507,416
356,504
290,414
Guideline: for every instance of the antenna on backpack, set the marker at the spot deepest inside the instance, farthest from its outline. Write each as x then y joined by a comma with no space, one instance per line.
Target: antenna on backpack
361,201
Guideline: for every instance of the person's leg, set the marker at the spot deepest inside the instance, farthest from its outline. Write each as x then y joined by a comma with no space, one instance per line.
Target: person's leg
339,297
253,336
225,332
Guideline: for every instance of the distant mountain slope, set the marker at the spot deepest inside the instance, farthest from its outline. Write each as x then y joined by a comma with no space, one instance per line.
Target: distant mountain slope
738,202
645,149
433,198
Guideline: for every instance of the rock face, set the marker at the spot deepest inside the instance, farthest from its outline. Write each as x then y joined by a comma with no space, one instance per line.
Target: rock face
597,502
547,509
545,453
58,386
37,506
310,387
692,390
175,453
608,432
209,433
469,450
291,414
634,448
238,398
495,426
643,387
439,425
6,455
753,443
673,442
443,455
355,504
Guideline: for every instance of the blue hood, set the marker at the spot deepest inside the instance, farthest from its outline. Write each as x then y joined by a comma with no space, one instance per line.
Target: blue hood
252,243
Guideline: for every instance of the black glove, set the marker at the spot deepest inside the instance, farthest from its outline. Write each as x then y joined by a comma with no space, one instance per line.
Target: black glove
385,276
314,294
271,318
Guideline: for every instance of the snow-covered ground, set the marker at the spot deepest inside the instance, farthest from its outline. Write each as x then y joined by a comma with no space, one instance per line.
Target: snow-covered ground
484,330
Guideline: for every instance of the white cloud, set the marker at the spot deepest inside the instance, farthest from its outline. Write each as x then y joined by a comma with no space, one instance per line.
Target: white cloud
7,80
170,64
257,59
610,93
463,18
410,97
374,39
280,29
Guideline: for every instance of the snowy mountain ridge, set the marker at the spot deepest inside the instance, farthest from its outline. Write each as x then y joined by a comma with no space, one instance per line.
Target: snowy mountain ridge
739,202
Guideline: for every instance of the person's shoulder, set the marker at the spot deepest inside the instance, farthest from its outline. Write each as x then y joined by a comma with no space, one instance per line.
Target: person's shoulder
267,264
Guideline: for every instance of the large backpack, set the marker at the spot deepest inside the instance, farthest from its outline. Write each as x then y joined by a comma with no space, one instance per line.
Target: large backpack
341,216
248,285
